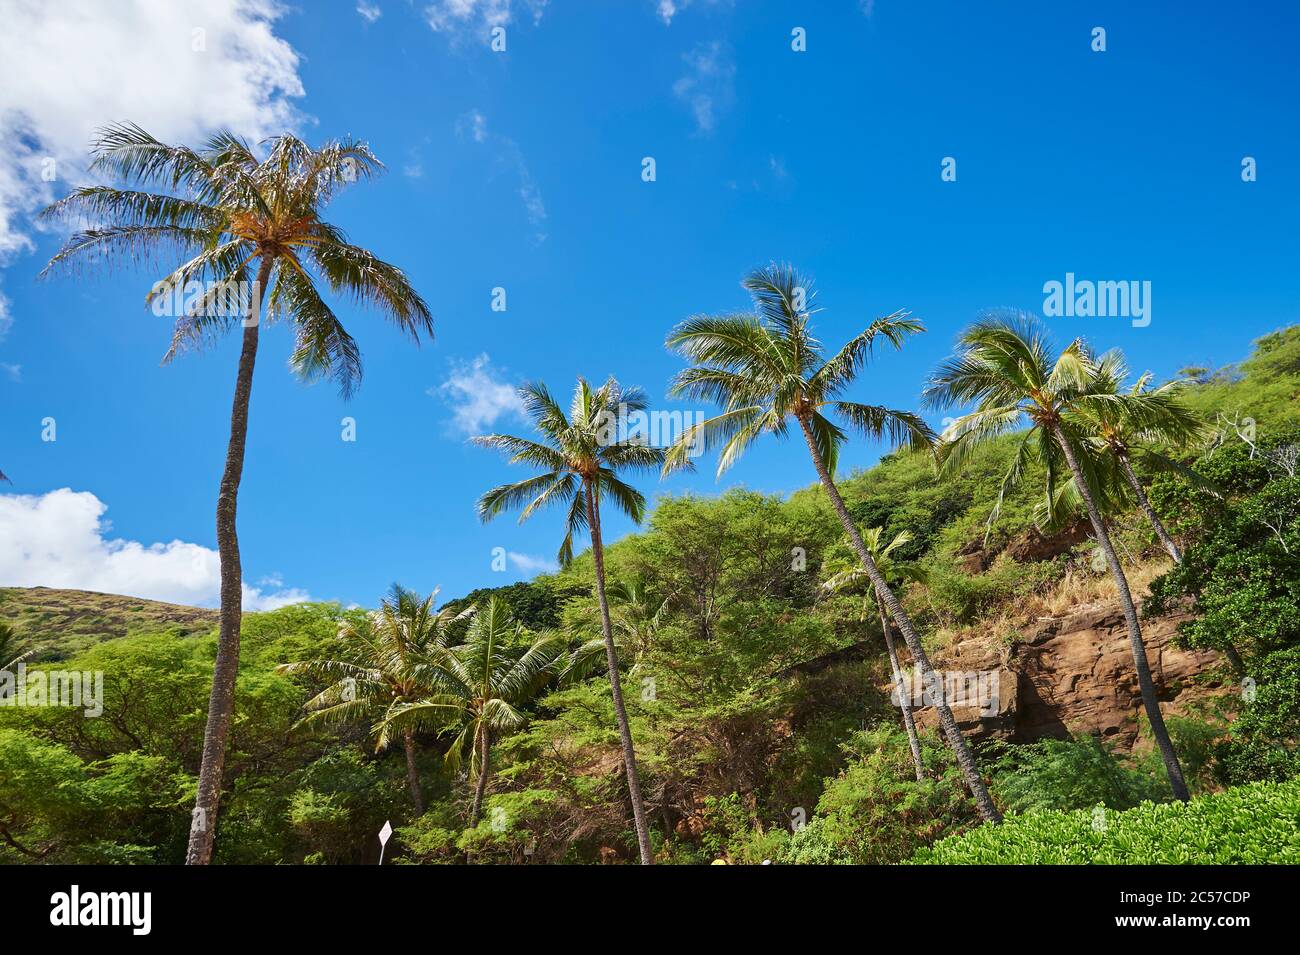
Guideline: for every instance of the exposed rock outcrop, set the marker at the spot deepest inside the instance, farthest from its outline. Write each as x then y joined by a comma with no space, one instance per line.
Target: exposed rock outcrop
1074,674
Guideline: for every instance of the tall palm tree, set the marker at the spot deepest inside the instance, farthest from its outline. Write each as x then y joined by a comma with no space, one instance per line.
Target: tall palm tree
580,455
478,691
765,369
1005,367
1143,420
248,230
383,662
844,578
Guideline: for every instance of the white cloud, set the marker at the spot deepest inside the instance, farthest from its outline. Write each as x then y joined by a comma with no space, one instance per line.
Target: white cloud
531,564
477,395
69,68
458,17
60,539
15,372
777,165
370,11
413,170
667,9
708,87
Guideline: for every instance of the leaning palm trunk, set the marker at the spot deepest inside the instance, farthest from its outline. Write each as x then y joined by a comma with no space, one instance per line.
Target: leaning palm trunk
1149,701
965,758
412,773
484,746
1145,504
611,658
903,702
221,703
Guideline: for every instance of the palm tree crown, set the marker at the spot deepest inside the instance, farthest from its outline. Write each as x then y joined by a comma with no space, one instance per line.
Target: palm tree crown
221,210
384,661
766,367
579,450
478,690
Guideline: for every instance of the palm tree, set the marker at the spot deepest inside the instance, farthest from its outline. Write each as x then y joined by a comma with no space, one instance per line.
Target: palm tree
1141,420
1004,366
478,691
383,662
765,369
635,617
580,455
846,577
231,218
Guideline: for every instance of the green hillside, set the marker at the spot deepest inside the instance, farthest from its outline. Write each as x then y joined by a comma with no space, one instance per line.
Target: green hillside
757,697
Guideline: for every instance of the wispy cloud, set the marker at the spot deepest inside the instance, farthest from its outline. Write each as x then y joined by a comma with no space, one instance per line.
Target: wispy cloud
531,564
478,395
868,7
15,372
709,85
370,11
457,18
473,125
667,9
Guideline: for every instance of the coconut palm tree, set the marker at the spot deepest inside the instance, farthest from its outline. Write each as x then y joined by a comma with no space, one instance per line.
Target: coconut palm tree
580,455
478,691
1005,367
1144,420
765,369
246,231
382,662
635,617
844,578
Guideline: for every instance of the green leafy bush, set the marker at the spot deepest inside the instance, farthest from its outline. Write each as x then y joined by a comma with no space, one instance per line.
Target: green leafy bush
1055,774
1258,823
876,812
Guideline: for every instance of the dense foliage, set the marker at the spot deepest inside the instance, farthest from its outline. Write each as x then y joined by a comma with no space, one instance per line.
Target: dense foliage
756,696
1251,824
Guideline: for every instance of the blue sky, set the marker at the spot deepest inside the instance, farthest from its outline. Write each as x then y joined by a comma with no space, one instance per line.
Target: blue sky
522,170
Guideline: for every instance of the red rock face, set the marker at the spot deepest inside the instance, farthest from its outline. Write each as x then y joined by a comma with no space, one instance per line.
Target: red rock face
1075,674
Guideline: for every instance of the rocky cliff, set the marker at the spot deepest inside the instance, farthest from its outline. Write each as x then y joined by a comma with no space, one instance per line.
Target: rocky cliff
1074,674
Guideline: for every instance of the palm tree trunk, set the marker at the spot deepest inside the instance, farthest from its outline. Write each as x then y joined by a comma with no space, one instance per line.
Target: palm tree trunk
221,703
611,658
958,744
1149,701
412,774
903,702
484,748
1145,504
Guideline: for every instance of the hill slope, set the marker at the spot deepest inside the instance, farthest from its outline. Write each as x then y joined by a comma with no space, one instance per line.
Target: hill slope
63,622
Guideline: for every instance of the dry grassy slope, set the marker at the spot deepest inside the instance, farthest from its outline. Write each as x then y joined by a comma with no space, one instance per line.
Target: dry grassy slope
62,622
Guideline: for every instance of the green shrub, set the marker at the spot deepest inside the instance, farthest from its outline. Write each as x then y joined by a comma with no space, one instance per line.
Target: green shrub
1258,823
1077,773
876,812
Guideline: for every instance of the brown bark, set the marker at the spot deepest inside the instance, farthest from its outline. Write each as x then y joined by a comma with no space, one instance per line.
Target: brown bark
1144,503
961,749
611,657
412,774
483,744
221,703
1145,683
903,702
